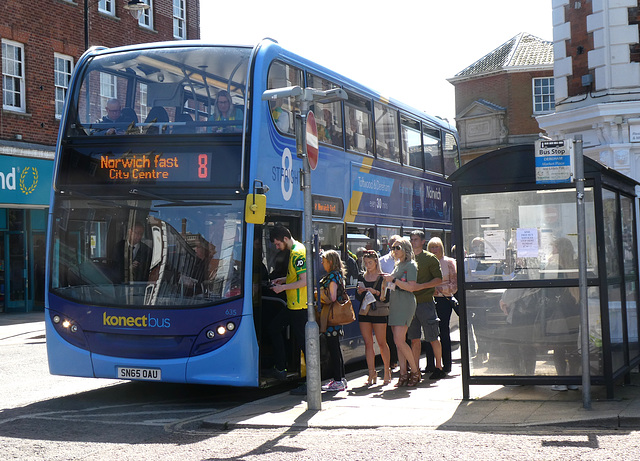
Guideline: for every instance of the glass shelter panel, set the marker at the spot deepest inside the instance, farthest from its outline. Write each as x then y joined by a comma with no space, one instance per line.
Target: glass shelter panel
630,274
513,238
529,234
530,332
612,247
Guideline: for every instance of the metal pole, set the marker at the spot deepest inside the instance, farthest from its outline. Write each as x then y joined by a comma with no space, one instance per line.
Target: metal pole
86,25
582,263
311,330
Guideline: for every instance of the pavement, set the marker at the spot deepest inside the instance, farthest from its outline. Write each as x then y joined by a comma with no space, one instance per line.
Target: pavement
439,404
435,404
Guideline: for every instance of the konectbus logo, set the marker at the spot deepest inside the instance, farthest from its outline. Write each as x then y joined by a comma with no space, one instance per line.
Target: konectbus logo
27,181
143,321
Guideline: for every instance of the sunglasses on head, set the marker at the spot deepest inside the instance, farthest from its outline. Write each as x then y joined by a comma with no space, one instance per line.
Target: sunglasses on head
370,254
396,247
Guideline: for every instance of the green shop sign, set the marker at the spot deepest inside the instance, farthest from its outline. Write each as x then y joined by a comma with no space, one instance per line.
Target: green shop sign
25,181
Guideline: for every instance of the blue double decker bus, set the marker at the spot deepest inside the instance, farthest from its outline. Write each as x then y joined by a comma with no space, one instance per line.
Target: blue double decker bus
153,271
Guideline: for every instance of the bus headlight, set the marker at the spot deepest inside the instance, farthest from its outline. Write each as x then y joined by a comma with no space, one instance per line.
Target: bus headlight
221,330
231,326
69,329
210,334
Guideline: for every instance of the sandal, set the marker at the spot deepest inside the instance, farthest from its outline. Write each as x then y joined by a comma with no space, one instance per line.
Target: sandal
402,381
373,377
415,379
387,376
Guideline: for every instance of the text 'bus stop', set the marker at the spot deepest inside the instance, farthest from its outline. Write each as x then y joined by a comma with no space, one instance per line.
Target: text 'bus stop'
518,273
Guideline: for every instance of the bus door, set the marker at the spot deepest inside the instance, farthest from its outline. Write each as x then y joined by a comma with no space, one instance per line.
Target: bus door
270,264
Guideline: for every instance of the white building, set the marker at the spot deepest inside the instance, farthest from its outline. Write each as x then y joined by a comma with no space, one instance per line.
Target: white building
597,80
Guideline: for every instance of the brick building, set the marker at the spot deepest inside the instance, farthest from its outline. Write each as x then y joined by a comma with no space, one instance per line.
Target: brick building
498,96
41,42
597,74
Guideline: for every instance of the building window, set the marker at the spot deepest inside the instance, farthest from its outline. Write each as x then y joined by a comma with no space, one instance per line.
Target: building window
107,7
63,67
179,21
543,95
13,85
146,18
108,89
144,107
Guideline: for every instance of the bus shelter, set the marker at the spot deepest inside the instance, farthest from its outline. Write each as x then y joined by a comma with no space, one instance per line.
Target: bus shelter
516,248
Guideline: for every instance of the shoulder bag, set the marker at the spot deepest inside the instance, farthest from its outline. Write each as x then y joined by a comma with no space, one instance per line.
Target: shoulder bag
339,312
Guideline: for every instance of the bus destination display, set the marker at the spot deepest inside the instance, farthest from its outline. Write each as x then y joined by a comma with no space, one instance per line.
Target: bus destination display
143,167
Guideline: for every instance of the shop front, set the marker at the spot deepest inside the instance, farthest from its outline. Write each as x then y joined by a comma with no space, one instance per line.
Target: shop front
519,278
25,186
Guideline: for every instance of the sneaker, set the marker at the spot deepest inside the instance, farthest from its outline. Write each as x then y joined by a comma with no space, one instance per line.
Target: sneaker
344,383
573,387
334,386
438,374
327,386
559,387
300,390
280,375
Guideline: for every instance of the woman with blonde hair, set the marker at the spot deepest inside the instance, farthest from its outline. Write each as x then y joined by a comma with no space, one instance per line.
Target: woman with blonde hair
374,316
331,289
402,307
225,111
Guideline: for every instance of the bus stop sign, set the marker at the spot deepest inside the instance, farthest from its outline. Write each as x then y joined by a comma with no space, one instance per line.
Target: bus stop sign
312,140
554,161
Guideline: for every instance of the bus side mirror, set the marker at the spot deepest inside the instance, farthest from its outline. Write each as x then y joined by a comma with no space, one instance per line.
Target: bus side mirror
255,209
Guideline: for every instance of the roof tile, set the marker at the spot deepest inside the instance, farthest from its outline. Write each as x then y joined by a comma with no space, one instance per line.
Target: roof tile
522,50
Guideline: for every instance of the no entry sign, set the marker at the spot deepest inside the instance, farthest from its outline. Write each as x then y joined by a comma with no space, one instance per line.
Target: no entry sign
312,140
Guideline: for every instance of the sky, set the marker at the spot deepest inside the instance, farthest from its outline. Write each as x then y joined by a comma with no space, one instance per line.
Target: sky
402,49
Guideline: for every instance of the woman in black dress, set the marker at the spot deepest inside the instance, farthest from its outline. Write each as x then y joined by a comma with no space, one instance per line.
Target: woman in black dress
373,317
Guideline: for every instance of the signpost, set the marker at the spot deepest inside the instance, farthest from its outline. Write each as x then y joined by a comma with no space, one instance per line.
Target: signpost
306,148
561,161
554,161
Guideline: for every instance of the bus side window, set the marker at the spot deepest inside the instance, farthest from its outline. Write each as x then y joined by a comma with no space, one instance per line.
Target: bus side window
387,145
357,112
282,110
328,116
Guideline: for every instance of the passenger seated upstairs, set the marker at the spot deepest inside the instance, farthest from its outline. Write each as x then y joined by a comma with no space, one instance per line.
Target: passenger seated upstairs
225,111
157,114
282,119
117,120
